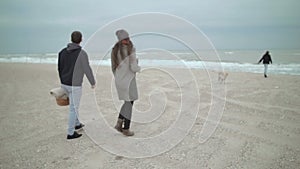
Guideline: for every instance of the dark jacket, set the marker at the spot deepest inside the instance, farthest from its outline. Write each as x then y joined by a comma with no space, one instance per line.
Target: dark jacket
266,58
73,63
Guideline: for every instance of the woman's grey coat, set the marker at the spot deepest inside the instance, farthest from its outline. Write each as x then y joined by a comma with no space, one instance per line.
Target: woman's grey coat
125,76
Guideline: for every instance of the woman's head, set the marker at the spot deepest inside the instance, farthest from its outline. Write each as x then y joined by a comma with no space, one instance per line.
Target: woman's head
122,34
124,41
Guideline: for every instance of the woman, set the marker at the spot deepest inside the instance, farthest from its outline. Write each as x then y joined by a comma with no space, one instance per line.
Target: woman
124,66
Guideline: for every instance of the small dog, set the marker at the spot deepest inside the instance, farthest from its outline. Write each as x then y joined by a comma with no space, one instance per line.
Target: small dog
222,77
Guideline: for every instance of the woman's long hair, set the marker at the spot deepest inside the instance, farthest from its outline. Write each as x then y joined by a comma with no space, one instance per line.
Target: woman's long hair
114,54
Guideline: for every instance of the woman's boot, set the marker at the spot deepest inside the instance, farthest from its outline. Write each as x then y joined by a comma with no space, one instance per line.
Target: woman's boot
119,124
127,132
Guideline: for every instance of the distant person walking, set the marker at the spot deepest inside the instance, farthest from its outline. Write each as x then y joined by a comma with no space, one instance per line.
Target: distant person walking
73,63
124,67
266,58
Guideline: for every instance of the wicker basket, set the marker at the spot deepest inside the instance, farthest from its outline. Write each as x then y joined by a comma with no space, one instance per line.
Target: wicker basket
62,102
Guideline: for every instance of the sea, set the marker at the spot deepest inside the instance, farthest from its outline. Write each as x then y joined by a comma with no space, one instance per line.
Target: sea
284,61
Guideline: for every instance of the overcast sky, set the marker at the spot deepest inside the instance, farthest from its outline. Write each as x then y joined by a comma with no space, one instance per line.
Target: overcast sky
38,26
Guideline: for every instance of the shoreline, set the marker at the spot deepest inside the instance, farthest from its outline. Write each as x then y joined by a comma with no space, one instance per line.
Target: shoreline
174,67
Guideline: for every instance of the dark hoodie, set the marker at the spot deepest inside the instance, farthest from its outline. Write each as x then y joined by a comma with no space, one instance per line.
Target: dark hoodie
73,63
266,58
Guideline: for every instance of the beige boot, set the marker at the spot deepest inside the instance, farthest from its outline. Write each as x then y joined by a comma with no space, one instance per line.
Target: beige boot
119,125
127,132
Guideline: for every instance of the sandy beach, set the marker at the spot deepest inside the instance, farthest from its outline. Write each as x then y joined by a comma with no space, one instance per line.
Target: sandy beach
259,127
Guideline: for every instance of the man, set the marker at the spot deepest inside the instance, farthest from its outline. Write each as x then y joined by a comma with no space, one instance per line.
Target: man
266,58
73,64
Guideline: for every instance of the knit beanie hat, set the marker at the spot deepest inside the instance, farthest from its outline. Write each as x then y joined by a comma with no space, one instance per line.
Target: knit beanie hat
122,34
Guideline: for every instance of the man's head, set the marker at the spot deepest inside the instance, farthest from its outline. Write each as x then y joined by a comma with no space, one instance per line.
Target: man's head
76,37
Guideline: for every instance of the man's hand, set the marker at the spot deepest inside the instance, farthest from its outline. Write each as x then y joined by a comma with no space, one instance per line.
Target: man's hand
93,86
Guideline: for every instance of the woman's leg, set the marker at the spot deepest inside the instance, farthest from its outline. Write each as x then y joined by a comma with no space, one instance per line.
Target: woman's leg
121,116
126,112
124,116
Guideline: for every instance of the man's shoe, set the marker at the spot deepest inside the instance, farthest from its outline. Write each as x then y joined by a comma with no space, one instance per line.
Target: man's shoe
266,76
75,135
79,126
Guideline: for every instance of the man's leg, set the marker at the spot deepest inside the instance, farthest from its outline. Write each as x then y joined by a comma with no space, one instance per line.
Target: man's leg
74,97
266,70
